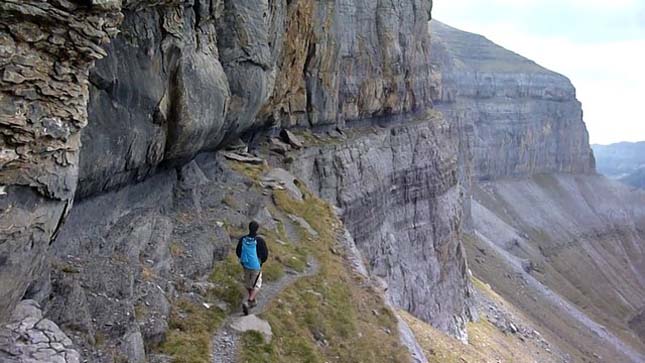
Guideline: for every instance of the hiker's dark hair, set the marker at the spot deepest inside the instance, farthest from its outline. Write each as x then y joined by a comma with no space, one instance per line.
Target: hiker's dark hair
253,228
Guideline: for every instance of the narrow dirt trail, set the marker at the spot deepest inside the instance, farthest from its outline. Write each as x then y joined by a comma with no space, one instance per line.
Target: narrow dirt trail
226,340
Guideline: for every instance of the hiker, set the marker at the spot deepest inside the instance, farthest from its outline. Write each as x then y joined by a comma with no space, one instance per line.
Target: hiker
252,252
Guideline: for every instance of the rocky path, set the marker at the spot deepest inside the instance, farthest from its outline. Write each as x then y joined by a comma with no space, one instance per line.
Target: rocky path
226,339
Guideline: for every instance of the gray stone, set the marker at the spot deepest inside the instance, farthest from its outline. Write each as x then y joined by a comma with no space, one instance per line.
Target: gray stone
265,219
304,225
133,347
243,158
253,323
291,139
278,146
280,178
30,338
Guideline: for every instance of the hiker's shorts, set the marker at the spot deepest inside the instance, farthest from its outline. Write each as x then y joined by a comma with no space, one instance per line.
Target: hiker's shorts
252,279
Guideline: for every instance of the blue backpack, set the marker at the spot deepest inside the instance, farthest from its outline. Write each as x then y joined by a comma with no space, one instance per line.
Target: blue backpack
249,256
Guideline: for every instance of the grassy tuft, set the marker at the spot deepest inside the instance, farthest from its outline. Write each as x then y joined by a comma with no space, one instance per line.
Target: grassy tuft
253,171
189,335
227,276
327,317
258,351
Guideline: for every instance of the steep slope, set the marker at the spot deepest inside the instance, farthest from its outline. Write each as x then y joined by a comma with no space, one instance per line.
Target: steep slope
568,243
182,78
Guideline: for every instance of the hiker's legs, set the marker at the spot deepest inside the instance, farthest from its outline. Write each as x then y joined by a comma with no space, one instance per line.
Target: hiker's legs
253,293
257,283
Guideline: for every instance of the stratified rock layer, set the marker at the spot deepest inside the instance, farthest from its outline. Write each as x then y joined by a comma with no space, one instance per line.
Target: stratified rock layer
46,51
398,192
183,78
515,117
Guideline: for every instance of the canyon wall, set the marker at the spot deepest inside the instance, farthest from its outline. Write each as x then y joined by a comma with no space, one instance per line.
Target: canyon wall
516,117
561,243
186,77
181,77
398,194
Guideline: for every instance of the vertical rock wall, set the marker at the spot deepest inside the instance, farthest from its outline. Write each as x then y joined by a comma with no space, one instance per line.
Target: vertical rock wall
516,118
46,51
183,77
398,192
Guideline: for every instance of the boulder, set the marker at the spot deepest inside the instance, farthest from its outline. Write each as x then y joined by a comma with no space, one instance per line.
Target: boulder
291,139
243,158
276,145
253,323
281,179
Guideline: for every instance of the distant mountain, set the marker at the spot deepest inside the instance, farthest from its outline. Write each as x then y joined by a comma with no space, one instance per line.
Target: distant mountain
637,178
624,161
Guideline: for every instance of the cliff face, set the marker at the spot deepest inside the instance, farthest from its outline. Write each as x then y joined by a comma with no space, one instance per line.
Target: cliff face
182,77
398,194
185,77
517,118
569,242
46,51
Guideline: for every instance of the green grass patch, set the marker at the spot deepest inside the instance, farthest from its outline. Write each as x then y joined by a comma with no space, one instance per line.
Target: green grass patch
272,271
258,351
327,317
191,326
253,171
227,277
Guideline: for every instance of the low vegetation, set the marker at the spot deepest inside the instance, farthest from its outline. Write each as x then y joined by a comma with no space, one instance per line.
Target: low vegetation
332,316
190,331
486,342
328,317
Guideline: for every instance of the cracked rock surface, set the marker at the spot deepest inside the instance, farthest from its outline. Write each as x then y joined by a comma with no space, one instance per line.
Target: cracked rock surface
34,339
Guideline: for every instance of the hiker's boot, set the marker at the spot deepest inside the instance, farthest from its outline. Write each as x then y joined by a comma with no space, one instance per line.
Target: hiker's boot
252,304
245,308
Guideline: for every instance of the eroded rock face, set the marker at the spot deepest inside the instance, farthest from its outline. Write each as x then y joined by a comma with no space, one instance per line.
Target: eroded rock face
515,117
31,338
398,192
46,51
186,77
181,77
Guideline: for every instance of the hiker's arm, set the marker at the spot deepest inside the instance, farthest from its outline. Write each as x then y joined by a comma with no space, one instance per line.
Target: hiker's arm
263,252
238,249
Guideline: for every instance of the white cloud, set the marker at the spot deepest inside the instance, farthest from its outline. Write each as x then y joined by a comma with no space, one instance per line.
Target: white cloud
608,73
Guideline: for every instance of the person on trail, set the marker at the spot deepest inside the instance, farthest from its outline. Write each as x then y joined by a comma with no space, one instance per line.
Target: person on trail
252,252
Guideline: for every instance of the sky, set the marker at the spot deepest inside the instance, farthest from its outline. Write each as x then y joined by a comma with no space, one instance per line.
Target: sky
598,44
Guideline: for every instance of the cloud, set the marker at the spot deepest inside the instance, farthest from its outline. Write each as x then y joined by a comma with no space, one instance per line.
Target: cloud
604,61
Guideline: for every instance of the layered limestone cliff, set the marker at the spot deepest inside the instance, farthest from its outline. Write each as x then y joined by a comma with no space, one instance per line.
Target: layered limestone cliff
399,197
183,78
516,117
180,78
568,243
46,52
